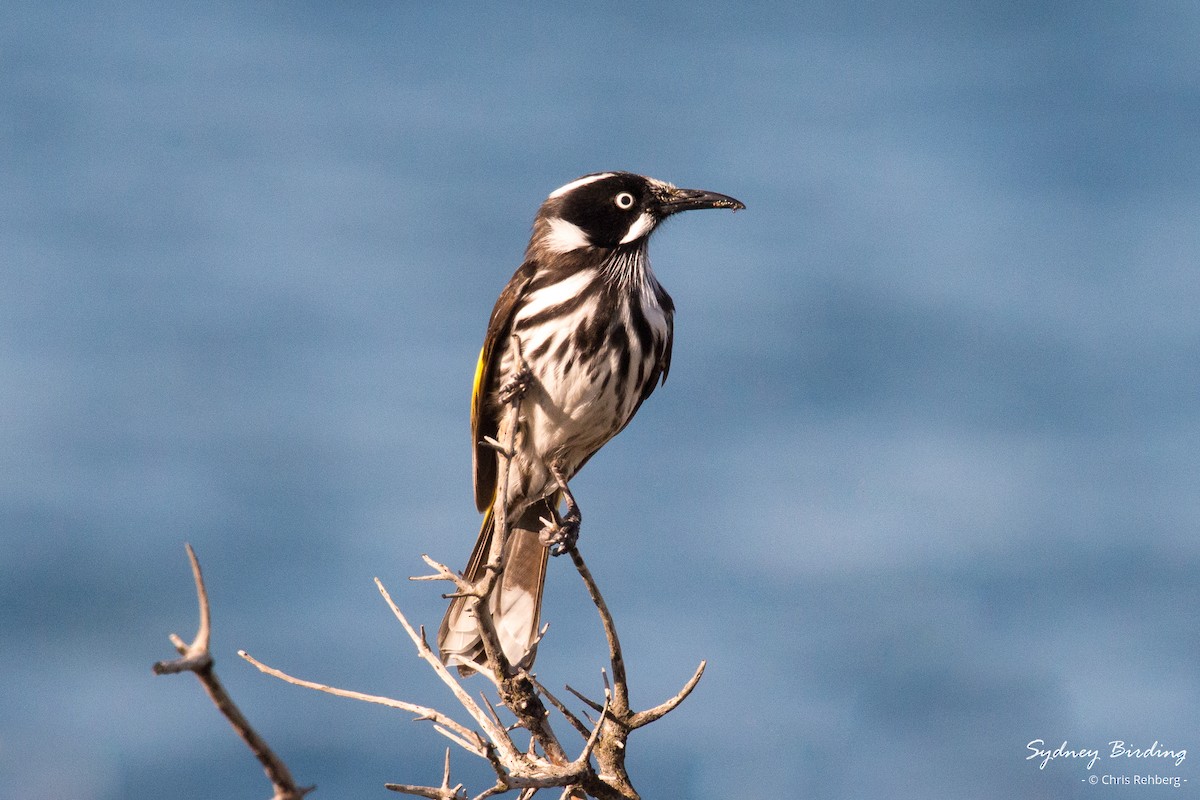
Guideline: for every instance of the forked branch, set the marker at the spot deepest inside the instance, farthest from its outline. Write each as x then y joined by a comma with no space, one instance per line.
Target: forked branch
197,659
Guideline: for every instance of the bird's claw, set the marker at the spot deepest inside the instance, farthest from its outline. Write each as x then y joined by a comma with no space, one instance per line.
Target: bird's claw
560,537
514,389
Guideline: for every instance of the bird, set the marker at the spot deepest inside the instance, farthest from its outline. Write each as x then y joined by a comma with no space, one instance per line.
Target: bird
582,333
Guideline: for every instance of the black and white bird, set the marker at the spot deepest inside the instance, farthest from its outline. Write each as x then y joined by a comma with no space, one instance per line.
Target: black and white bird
594,329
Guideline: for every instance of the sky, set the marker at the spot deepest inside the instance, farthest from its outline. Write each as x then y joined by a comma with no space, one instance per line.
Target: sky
921,487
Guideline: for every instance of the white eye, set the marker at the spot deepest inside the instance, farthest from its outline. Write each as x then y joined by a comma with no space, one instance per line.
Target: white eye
624,201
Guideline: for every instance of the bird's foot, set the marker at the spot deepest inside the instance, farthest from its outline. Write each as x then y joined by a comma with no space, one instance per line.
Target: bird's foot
515,388
560,537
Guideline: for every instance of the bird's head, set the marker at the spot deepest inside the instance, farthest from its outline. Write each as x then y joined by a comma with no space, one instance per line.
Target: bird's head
606,210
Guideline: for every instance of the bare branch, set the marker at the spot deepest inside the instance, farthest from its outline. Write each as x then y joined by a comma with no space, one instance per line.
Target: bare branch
651,714
496,733
465,745
432,792
195,656
562,709
617,720
592,704
499,448
497,789
519,695
472,741
444,573
620,687
443,792
197,659
491,709
590,745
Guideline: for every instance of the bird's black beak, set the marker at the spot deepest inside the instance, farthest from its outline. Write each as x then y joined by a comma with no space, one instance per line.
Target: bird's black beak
675,200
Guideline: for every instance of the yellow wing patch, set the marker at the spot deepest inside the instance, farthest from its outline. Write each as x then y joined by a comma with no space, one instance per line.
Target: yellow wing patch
475,399
484,470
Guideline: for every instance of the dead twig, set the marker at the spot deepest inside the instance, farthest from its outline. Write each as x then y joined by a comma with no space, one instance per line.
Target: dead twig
573,720
443,792
650,715
620,684
495,733
197,659
448,727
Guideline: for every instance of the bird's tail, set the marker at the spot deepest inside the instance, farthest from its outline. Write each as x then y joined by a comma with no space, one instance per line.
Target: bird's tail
515,603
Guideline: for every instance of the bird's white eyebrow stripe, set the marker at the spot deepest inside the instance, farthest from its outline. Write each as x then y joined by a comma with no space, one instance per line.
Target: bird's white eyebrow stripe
575,184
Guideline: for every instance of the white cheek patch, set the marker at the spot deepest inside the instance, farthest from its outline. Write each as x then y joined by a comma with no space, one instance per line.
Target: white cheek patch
575,184
640,227
565,236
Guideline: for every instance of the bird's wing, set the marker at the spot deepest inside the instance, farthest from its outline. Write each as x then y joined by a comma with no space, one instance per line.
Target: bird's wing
485,416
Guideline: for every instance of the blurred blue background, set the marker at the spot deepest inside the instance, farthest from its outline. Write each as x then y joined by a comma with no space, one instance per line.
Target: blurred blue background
922,486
